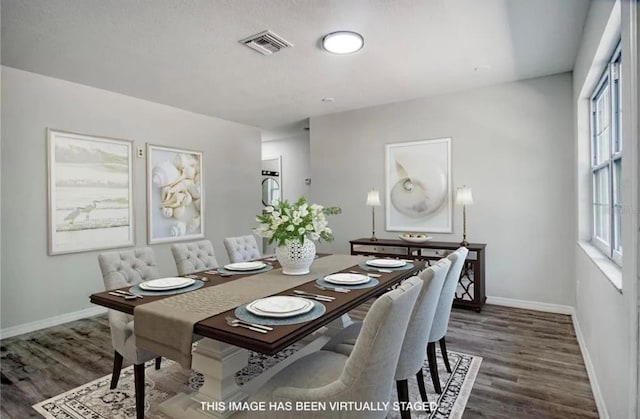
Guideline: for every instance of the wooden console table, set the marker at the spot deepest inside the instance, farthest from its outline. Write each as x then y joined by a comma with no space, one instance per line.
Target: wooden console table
470,292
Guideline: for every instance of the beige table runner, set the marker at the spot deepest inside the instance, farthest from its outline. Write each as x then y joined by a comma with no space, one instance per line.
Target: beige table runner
165,327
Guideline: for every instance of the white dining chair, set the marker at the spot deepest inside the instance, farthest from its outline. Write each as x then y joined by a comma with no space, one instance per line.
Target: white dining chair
121,269
443,312
194,257
364,376
412,355
242,248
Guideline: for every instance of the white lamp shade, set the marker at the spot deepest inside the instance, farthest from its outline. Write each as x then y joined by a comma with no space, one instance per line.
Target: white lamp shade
464,196
373,198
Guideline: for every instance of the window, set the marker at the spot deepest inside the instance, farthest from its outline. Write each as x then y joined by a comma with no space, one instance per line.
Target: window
606,160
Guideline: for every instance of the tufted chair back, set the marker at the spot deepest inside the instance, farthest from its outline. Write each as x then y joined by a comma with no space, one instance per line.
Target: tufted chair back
121,269
193,257
127,267
242,249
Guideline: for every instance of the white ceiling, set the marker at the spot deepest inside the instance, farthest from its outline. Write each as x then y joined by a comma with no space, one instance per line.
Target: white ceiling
186,53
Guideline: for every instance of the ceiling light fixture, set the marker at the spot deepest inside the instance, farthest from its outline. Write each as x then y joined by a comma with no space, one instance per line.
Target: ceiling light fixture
342,42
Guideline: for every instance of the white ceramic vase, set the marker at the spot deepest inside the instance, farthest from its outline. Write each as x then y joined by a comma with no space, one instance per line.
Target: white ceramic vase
296,258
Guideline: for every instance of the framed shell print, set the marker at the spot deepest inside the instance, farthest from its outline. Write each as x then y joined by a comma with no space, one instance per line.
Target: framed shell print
175,194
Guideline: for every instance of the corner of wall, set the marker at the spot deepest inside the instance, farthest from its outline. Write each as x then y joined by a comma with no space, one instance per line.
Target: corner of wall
591,372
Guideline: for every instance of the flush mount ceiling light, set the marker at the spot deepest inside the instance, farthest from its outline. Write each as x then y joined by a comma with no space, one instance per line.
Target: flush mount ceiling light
342,42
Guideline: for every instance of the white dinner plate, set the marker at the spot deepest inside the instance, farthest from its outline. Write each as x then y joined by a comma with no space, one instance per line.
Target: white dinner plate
245,266
163,284
347,279
386,263
280,306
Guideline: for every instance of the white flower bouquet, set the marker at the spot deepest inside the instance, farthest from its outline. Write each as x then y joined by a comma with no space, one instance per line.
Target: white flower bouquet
285,221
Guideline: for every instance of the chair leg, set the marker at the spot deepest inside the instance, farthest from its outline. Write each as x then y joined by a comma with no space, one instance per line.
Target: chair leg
445,356
423,390
138,376
117,366
403,398
158,362
433,366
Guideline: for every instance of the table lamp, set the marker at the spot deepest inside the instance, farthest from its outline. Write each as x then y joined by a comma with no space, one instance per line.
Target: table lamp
464,198
373,200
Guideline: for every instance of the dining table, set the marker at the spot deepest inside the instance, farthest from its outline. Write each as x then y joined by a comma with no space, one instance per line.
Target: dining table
225,349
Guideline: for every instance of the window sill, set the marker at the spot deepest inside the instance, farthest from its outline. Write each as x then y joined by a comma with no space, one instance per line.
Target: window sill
609,268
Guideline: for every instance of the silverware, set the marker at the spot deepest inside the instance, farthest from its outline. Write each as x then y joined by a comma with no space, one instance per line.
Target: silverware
343,290
255,329
123,292
366,273
259,326
313,295
222,273
201,278
126,297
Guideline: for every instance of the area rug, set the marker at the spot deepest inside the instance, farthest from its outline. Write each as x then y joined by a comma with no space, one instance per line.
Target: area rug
96,401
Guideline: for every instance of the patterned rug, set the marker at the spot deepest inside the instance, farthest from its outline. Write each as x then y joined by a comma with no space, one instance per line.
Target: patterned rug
96,401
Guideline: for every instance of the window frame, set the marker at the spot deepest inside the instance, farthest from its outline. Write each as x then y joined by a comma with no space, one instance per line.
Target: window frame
609,80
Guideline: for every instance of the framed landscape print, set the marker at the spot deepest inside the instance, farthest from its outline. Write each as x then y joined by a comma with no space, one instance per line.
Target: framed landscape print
90,193
418,186
175,194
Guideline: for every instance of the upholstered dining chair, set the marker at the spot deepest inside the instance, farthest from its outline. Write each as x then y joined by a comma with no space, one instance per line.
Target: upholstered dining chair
193,257
412,355
364,376
443,312
242,249
121,269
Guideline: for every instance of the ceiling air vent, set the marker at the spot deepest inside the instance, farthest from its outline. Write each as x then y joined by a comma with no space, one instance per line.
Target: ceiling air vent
266,43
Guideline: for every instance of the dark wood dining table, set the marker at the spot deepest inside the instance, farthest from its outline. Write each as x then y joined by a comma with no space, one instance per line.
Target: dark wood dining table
225,349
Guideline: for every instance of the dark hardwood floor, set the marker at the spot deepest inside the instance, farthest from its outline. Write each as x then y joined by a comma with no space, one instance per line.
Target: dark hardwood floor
531,368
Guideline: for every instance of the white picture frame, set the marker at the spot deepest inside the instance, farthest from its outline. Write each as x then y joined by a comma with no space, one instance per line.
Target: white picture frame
89,192
175,194
418,186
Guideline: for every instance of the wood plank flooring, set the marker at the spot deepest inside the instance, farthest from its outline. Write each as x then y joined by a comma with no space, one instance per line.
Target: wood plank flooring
531,368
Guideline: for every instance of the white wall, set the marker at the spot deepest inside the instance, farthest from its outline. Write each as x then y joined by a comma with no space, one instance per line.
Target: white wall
0,182
511,145
36,286
295,164
606,316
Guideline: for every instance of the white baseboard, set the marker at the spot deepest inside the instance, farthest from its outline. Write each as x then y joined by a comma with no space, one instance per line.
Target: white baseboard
591,372
531,305
49,322
568,310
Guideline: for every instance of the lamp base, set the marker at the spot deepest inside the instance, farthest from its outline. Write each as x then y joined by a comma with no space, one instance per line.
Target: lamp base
373,238
464,243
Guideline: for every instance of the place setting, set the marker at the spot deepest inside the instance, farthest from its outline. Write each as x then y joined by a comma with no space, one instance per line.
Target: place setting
242,268
165,286
282,309
346,281
386,265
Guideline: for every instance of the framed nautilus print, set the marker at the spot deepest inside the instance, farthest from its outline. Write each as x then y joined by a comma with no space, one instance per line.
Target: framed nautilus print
418,186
